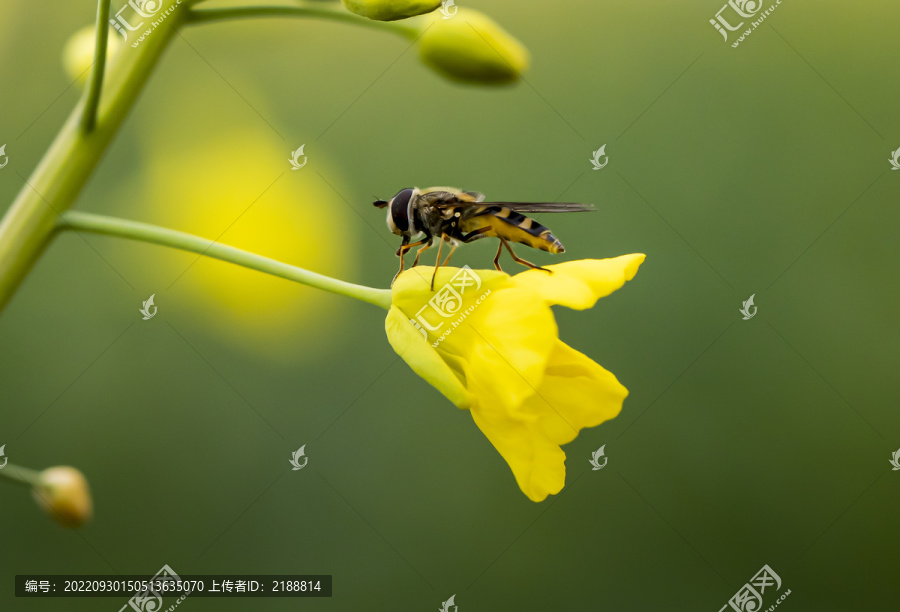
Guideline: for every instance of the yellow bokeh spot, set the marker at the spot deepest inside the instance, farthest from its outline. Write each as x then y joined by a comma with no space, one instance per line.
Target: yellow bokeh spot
236,186
78,53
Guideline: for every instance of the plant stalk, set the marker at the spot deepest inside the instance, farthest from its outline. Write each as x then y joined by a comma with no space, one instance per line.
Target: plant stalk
56,182
69,162
20,475
89,119
134,230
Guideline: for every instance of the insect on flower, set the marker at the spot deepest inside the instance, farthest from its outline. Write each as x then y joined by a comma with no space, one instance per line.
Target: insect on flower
455,216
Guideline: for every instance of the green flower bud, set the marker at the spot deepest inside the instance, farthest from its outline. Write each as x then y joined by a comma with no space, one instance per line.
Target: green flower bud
63,493
78,53
390,10
471,48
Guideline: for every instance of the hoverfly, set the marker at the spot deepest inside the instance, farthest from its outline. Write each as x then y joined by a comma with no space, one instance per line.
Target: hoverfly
455,216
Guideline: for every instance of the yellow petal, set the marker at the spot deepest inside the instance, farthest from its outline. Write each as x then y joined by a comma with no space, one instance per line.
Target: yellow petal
422,358
576,393
413,286
514,334
536,461
579,284
499,348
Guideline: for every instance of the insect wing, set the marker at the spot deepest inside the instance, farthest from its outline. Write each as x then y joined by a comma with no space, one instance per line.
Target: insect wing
523,207
543,207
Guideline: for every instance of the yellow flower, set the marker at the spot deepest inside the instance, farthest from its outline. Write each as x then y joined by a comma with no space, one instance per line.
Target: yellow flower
470,47
64,494
490,344
390,10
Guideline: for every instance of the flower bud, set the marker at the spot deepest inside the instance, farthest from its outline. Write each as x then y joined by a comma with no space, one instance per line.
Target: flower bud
64,494
471,48
78,53
390,10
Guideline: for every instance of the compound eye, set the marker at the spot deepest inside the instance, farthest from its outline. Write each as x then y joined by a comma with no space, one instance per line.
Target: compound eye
400,209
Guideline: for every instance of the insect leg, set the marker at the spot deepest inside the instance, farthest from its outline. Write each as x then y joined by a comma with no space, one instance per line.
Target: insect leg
466,238
437,263
419,252
518,259
450,255
497,256
405,247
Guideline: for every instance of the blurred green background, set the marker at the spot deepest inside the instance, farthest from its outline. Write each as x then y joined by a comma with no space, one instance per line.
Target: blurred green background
757,170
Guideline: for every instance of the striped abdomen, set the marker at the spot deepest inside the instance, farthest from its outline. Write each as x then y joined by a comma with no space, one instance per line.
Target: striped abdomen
502,222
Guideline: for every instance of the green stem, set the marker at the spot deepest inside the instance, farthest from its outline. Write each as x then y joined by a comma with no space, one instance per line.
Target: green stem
69,162
309,10
28,225
89,118
111,226
20,475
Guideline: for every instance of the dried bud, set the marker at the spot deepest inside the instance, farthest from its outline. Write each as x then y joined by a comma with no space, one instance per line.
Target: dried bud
471,48
78,53
390,10
64,494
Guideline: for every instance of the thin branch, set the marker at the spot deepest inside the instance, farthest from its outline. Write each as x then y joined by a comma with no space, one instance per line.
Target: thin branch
123,228
70,160
199,16
20,475
89,118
